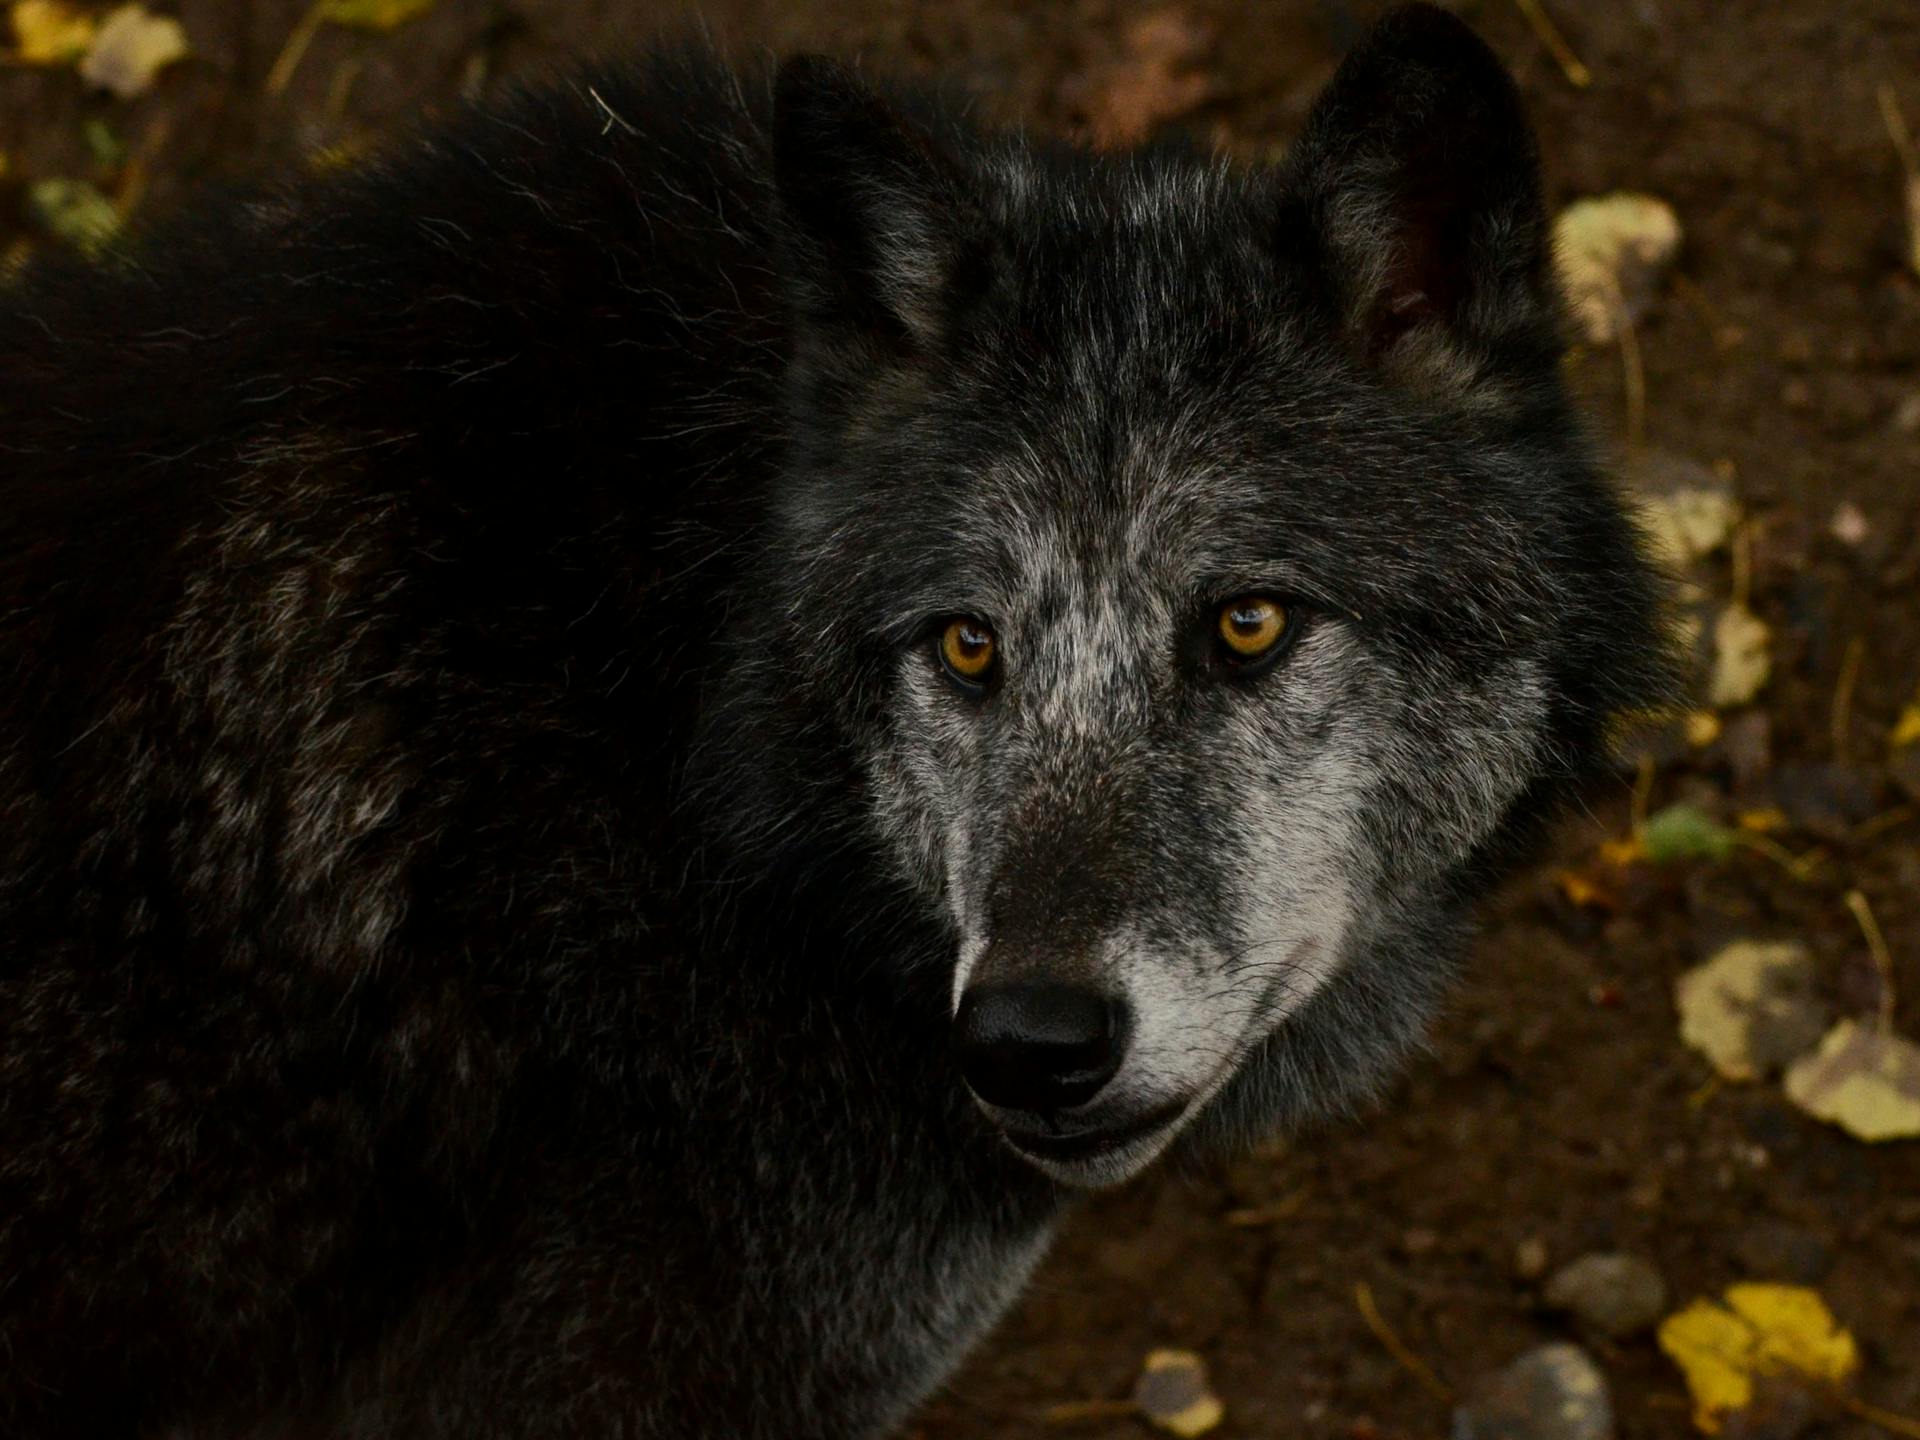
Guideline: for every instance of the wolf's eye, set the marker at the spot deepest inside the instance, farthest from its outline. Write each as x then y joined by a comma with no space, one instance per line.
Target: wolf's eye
966,649
1250,627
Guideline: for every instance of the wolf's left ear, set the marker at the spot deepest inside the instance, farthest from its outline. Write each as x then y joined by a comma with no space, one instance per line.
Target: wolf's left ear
879,221
1414,193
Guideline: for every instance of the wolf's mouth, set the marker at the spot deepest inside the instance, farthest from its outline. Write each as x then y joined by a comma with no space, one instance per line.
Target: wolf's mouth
1080,1146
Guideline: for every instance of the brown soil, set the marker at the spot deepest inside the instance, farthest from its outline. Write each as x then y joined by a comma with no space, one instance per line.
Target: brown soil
1558,1106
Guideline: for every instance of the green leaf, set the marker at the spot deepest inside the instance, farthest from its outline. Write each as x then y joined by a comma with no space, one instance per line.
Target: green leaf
1685,832
74,211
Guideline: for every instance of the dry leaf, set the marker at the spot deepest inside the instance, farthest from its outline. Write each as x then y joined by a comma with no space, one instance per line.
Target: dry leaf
131,48
1759,1333
1863,1079
1751,1007
1157,78
1742,657
374,14
1689,524
1613,250
1172,1393
49,32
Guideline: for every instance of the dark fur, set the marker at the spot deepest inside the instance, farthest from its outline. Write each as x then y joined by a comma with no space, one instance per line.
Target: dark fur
450,984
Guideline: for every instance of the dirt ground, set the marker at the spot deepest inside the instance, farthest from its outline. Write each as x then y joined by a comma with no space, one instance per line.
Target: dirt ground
1559,1111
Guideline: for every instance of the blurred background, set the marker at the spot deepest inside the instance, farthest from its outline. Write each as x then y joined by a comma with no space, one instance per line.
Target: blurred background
1680,1064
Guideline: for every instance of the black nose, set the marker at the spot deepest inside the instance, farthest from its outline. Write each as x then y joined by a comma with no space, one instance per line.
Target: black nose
1038,1047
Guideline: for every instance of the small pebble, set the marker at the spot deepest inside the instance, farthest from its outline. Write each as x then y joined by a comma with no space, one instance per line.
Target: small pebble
1530,1258
1617,1295
1553,1393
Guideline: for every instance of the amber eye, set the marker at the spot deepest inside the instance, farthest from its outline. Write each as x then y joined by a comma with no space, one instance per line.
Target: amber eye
1251,626
966,649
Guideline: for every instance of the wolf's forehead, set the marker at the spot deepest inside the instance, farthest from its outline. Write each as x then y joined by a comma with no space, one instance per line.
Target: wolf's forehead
1095,574
1099,515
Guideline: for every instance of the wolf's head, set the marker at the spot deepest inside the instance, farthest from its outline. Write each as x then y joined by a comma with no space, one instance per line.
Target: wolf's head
1205,569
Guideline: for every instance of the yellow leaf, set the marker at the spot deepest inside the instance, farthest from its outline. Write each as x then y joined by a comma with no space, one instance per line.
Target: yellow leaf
1623,852
1172,1393
131,48
1583,892
1906,730
1757,1332
50,32
1703,728
374,14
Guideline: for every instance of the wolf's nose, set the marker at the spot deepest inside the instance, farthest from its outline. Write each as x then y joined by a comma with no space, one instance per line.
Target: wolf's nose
1038,1047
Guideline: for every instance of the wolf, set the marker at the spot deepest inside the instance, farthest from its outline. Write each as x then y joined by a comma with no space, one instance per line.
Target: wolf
640,735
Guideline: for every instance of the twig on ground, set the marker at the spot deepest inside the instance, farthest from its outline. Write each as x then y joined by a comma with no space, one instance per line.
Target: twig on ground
1877,947
1578,75
1410,1362
295,50
1843,695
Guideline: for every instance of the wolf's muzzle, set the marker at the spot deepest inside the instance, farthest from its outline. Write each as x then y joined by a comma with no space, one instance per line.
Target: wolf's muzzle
1039,1047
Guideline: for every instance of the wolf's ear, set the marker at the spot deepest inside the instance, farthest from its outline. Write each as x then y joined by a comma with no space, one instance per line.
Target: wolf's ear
1414,192
878,220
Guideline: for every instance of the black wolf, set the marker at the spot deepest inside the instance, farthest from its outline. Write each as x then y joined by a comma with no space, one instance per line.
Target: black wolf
638,735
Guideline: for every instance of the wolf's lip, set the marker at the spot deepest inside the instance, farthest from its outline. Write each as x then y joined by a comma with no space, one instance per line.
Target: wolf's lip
1081,1145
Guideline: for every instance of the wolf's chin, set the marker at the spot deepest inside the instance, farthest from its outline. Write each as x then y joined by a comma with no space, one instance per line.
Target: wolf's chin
1104,1168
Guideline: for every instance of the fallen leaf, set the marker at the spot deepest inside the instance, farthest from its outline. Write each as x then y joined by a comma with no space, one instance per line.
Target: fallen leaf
1684,832
132,47
1158,76
1689,524
1864,1079
1751,1007
50,32
1622,852
1173,1395
1742,657
1584,893
74,211
1906,730
1728,1348
1613,250
374,14
1913,223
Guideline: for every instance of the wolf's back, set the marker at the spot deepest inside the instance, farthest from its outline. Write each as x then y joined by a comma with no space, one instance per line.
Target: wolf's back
354,541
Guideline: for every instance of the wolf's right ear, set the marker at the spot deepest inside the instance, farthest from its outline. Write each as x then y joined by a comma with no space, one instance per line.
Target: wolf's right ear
878,220
1413,197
